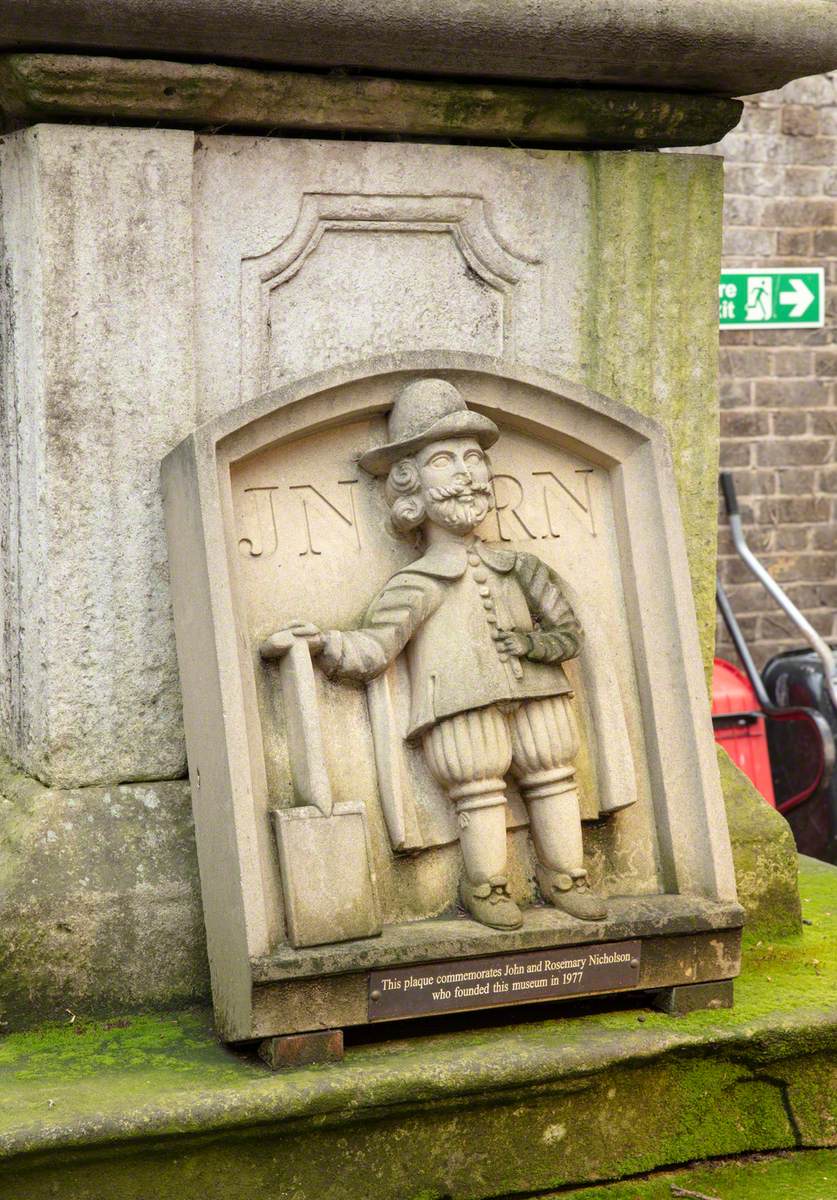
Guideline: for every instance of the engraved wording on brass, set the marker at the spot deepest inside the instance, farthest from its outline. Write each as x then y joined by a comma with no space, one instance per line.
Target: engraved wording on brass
503,979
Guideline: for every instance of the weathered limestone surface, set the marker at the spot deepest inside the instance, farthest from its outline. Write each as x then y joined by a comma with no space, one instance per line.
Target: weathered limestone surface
100,909
46,86
714,46
153,1106
97,385
764,854
573,262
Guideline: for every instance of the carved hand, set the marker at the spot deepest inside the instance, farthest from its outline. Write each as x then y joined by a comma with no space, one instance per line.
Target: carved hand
279,643
515,643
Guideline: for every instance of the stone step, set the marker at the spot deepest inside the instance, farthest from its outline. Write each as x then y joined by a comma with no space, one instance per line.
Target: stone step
153,1106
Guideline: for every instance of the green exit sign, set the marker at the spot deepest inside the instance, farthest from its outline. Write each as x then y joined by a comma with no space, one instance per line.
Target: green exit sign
772,298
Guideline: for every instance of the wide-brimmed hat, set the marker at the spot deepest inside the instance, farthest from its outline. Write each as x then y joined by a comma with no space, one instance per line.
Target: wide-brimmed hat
426,411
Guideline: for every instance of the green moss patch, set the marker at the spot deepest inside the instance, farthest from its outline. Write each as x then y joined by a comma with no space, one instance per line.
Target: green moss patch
806,1175
156,1107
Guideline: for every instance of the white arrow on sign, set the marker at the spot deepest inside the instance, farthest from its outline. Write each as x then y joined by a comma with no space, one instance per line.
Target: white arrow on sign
800,296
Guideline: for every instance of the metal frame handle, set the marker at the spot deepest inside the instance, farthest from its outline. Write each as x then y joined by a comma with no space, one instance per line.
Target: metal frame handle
814,640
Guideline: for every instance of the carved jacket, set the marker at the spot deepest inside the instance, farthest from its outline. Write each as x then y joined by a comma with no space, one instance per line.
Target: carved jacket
447,609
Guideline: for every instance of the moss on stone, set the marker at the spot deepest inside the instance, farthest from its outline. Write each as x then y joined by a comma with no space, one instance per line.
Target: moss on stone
154,1106
800,1175
764,854
657,241
99,899
34,86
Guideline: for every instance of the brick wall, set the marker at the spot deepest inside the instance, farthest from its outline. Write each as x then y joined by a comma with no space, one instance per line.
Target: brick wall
779,388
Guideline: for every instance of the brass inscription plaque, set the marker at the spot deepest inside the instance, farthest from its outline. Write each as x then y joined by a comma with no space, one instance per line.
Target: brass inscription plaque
459,984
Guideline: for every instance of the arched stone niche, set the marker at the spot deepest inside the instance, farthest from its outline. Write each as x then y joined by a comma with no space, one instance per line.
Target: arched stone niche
271,519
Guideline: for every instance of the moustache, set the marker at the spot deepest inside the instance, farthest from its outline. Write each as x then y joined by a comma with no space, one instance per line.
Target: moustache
456,491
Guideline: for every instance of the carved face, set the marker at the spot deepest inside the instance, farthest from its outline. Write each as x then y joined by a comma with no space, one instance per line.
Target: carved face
455,483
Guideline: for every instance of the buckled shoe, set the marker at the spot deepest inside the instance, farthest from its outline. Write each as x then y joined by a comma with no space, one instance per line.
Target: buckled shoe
490,903
570,892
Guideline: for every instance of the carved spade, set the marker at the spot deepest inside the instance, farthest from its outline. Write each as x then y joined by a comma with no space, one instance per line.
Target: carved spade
328,880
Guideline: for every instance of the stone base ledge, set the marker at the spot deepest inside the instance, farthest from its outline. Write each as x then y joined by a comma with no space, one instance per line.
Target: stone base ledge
154,1106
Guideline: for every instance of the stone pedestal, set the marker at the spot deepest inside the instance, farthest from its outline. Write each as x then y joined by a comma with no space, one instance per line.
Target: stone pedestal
156,278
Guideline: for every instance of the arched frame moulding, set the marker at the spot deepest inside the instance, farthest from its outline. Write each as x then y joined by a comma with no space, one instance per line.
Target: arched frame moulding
241,889
463,218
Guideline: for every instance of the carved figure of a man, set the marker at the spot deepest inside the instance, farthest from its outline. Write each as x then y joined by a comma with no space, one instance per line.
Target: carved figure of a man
485,632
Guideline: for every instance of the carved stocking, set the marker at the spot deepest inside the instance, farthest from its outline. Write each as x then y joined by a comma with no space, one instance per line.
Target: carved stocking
544,738
469,755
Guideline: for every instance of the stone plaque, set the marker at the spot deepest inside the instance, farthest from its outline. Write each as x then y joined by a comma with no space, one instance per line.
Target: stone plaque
442,690
443,987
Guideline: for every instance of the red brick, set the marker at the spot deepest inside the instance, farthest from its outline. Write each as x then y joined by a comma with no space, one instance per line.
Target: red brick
825,362
799,214
787,423
793,360
746,424
736,454
824,421
809,393
825,241
799,242
804,181
799,121
794,453
797,481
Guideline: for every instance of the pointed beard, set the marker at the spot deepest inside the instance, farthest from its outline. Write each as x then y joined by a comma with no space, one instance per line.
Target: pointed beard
459,513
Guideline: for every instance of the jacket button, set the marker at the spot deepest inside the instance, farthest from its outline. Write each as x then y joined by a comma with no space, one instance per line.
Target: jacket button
480,577
484,591
488,604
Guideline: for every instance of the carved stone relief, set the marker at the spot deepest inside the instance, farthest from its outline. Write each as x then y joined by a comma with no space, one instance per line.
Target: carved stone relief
430,620
314,538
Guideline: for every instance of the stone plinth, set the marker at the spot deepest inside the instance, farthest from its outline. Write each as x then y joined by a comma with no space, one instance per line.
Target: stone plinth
138,261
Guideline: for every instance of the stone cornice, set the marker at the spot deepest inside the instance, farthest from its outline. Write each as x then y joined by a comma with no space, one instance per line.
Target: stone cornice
729,48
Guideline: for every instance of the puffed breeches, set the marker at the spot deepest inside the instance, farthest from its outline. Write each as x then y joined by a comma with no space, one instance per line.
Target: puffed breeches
471,753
